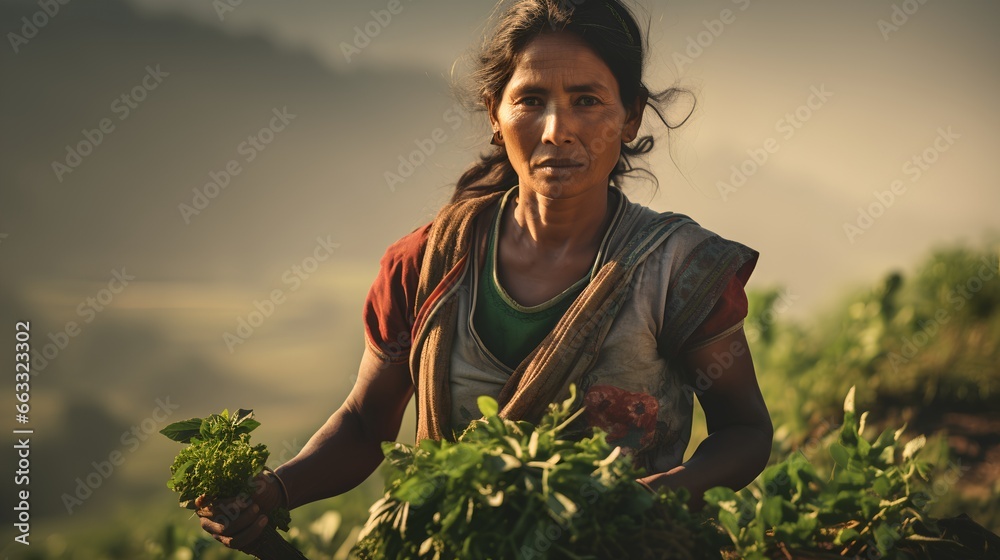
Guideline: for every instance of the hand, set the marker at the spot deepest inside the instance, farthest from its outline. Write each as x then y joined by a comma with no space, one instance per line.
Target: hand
642,482
237,522
678,477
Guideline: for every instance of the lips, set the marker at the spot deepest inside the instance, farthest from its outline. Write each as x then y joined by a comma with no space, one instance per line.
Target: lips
558,163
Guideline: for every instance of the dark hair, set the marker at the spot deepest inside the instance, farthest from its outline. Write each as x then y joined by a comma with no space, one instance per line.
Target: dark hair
607,27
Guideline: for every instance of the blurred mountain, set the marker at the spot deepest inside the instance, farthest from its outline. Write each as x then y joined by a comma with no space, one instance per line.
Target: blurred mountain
194,96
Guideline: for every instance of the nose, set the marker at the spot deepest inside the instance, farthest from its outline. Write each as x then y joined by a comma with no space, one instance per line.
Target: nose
558,129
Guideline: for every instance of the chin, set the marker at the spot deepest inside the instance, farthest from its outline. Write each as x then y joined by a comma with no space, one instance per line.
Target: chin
559,184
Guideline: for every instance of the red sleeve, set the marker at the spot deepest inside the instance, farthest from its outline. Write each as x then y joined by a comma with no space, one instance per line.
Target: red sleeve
705,299
728,312
389,307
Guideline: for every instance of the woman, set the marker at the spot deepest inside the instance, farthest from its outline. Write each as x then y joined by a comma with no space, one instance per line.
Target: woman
541,273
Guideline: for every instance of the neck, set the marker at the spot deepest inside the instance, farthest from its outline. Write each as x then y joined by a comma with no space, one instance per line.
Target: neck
557,227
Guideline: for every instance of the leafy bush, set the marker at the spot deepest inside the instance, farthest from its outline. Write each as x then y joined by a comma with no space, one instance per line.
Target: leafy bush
922,342
220,463
870,499
509,489
918,345
512,490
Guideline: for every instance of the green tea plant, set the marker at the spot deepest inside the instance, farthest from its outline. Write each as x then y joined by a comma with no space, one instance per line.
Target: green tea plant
866,506
919,344
510,489
220,463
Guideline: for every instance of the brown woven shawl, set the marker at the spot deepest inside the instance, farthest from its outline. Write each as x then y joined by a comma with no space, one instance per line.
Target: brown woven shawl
561,358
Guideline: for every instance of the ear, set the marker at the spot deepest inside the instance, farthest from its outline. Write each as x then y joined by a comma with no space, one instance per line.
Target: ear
633,116
491,112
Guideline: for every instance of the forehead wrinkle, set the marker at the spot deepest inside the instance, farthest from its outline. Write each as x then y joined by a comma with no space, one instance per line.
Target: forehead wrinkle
559,56
527,86
560,50
560,62
536,77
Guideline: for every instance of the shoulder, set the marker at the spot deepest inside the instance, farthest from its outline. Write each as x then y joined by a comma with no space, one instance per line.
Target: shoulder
408,251
399,268
692,245
389,306
682,243
409,248
673,233
403,257
703,276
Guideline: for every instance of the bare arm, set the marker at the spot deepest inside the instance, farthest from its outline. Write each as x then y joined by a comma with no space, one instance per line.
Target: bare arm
739,427
347,448
338,457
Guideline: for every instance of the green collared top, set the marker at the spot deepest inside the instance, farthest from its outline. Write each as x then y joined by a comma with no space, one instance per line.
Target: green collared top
509,330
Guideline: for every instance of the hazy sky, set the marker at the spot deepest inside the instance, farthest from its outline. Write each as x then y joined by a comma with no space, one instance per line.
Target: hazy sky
893,88
845,110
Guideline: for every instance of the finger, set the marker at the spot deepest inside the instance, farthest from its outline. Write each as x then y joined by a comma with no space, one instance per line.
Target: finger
230,524
204,512
646,485
227,508
244,538
203,508
211,527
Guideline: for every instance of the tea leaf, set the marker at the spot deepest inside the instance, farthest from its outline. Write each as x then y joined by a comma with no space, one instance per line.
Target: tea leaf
183,431
488,406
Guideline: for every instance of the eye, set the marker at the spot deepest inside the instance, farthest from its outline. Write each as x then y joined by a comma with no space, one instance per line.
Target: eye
530,101
588,101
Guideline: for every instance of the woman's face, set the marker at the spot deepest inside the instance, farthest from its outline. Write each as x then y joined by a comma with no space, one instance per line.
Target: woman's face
562,117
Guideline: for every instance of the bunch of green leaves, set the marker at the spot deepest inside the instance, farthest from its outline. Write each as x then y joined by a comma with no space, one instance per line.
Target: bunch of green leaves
510,489
866,505
219,461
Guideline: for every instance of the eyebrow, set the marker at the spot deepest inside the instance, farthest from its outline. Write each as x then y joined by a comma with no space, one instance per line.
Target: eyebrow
588,87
